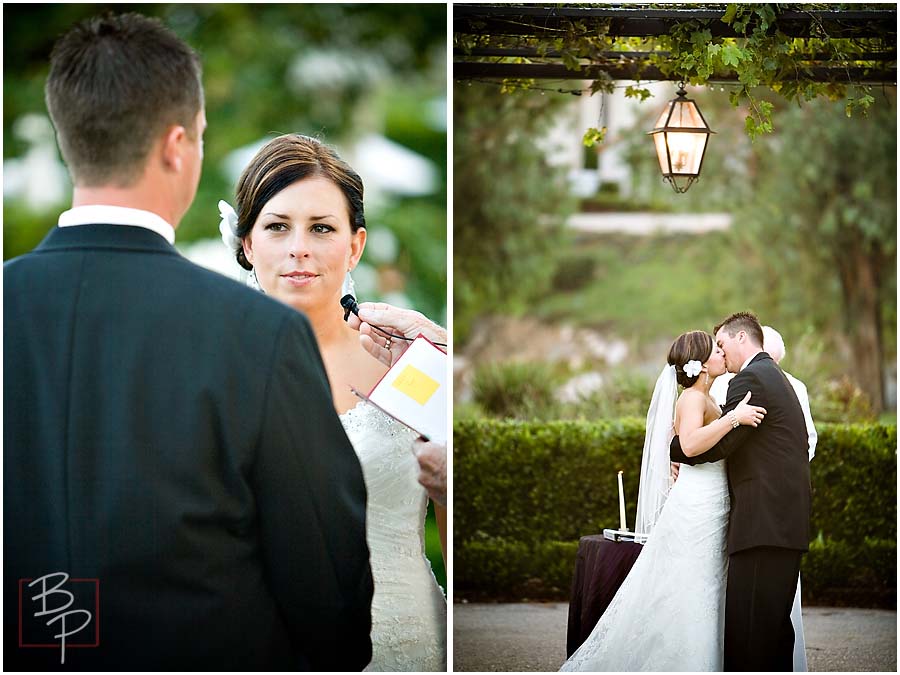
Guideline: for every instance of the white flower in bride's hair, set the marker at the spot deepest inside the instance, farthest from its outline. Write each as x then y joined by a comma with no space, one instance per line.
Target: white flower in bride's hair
228,226
692,368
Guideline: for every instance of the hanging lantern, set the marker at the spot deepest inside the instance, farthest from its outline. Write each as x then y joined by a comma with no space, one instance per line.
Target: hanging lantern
680,135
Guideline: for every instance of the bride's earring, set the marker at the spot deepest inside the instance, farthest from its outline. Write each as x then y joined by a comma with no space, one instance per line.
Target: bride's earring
348,288
707,377
253,281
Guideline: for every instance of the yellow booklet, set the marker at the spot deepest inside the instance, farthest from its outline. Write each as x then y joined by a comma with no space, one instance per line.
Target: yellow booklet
414,390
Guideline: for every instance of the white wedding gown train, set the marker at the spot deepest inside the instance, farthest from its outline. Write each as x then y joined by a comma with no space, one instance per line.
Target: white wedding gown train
669,613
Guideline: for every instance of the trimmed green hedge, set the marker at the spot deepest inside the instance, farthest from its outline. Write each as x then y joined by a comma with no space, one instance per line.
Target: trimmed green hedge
526,492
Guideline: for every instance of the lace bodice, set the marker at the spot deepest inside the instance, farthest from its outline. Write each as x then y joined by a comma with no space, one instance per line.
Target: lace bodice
409,611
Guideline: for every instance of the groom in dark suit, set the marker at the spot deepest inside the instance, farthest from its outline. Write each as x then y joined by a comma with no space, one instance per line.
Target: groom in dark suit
169,437
768,477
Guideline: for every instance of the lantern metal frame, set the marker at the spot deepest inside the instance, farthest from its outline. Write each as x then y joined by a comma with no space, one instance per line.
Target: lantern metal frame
669,176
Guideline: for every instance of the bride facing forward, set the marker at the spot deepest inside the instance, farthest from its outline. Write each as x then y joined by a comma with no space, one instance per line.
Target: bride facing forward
301,229
669,613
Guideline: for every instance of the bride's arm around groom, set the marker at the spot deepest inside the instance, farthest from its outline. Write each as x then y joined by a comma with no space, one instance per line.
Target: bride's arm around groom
744,388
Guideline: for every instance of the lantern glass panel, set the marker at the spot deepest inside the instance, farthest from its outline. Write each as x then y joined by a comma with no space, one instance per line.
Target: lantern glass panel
659,139
686,151
663,116
686,114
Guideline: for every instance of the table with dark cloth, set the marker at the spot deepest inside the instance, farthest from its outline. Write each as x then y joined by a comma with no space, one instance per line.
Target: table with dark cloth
600,568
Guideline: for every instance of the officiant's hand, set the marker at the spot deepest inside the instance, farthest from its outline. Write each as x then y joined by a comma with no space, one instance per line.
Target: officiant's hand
675,466
432,469
406,322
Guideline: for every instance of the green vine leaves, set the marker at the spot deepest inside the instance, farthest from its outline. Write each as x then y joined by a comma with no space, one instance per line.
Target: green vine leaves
761,57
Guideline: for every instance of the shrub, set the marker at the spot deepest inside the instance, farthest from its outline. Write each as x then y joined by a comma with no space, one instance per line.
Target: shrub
841,401
517,390
553,481
510,569
527,491
574,272
859,573
854,482
625,394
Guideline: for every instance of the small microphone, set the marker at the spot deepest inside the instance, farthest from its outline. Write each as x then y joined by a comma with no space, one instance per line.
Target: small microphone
348,302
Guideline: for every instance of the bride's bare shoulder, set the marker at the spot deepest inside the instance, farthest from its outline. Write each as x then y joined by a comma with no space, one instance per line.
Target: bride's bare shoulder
690,399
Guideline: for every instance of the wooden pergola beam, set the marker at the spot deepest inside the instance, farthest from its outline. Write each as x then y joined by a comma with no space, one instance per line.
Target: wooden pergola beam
532,52
640,22
467,70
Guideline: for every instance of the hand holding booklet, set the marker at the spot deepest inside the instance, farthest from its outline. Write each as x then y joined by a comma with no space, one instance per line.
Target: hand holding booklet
414,390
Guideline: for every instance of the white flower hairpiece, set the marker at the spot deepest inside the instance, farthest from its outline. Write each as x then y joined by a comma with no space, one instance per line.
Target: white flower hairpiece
692,368
228,226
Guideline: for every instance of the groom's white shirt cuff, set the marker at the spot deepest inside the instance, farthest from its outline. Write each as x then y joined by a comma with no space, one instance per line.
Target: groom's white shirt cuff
117,215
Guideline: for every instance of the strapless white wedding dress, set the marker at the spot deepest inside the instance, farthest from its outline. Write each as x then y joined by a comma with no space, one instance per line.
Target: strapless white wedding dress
409,610
669,613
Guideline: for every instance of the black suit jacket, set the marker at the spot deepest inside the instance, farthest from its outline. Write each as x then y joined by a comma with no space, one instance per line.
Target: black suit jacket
170,433
768,465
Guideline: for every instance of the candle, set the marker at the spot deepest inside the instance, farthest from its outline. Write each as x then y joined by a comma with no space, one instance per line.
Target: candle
622,524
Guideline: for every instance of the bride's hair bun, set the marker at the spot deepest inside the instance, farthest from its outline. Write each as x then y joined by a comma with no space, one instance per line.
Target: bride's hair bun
282,162
696,345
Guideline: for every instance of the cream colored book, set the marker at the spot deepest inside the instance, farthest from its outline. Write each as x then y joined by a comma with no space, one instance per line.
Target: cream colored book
414,390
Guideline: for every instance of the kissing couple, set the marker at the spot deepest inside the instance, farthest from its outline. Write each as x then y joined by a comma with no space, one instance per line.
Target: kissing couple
185,443
713,587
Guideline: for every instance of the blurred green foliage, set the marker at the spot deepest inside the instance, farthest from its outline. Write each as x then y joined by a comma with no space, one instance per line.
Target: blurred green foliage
812,247
532,489
522,390
433,548
531,392
542,481
337,72
509,204
510,570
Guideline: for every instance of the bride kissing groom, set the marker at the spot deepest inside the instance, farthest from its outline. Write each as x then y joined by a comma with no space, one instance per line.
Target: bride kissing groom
714,586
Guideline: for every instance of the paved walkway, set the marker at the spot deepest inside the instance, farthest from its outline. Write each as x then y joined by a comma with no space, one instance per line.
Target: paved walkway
532,637
649,223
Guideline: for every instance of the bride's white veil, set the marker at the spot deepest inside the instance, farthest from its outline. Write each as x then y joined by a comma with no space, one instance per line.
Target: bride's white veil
655,469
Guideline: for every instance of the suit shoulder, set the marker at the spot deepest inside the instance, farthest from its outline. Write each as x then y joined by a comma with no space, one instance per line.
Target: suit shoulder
749,374
249,304
16,263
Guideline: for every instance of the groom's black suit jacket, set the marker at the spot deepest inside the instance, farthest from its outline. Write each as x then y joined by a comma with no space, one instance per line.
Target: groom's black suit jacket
768,465
170,433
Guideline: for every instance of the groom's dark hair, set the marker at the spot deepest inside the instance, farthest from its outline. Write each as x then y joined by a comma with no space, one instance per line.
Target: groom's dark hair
742,321
116,83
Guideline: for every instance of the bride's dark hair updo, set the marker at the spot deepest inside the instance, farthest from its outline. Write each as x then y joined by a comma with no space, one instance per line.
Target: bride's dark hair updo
282,162
694,346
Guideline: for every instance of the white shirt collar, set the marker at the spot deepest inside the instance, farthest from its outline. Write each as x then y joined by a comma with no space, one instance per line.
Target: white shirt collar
117,215
747,362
